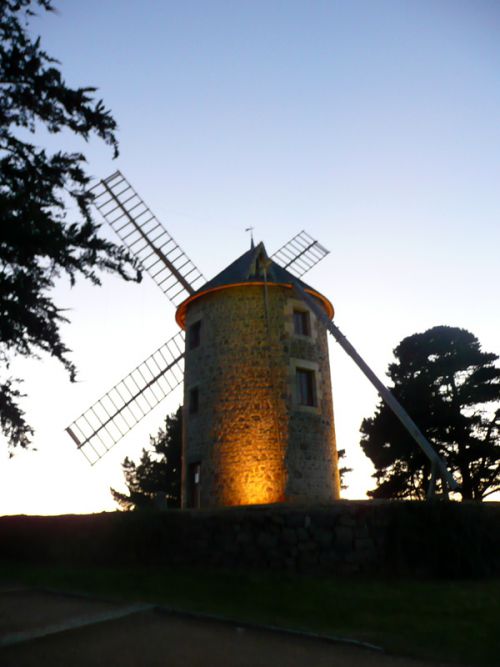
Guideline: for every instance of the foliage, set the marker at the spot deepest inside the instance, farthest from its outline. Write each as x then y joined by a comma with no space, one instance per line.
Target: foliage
451,388
343,470
157,477
37,189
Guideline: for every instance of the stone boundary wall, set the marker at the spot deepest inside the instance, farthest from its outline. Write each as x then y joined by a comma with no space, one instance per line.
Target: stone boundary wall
382,538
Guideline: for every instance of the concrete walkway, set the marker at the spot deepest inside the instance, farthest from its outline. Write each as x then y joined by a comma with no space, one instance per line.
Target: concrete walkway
51,629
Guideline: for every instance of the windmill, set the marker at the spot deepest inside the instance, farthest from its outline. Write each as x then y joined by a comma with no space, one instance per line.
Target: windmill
258,424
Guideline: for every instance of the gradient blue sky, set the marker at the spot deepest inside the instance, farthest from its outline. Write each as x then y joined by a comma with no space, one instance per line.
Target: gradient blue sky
372,125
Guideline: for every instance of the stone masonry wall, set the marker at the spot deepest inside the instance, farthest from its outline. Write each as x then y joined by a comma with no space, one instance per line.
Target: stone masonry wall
254,444
382,538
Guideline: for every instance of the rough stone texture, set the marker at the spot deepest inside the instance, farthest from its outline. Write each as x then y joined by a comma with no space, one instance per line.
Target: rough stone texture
254,442
392,538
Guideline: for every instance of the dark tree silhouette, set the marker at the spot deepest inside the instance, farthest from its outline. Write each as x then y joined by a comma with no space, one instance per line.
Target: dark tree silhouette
156,479
451,388
39,240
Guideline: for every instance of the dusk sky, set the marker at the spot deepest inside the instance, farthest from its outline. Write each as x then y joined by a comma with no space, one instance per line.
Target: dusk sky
374,126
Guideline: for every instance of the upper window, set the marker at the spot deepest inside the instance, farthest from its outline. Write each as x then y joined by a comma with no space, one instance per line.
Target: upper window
301,323
306,387
194,335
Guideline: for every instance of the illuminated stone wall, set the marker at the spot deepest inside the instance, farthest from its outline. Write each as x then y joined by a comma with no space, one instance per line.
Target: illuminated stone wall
254,443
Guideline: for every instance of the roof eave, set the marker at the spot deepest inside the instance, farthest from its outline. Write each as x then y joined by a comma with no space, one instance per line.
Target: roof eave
180,314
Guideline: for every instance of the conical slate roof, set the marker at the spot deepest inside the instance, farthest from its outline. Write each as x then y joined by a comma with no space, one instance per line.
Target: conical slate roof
248,268
253,266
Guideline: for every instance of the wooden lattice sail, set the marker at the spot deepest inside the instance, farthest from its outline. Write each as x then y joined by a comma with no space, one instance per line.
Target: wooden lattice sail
102,425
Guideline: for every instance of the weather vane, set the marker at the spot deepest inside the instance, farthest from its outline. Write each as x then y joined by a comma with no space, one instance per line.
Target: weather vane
250,229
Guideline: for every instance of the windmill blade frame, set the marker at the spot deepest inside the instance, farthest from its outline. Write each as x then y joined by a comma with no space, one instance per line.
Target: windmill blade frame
110,418
300,254
438,466
146,238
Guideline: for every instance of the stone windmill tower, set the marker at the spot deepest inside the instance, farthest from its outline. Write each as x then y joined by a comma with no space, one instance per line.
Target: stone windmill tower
257,395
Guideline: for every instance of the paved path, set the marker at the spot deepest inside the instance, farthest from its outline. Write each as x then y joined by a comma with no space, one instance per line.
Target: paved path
49,629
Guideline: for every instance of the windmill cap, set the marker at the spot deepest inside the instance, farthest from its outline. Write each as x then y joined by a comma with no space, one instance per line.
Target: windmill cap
254,267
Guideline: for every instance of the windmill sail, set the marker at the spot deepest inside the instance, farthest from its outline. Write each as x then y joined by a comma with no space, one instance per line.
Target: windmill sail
146,238
101,426
300,254
438,465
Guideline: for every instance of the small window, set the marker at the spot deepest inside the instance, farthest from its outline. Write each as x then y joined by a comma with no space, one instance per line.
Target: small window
194,401
194,335
301,323
306,387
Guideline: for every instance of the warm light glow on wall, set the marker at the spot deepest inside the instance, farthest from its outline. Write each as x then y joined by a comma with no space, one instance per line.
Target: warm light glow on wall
257,486
254,475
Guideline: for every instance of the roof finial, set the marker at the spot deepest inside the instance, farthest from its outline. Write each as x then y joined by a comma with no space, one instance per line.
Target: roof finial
252,244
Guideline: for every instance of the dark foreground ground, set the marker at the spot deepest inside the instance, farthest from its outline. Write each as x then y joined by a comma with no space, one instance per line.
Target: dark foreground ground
45,628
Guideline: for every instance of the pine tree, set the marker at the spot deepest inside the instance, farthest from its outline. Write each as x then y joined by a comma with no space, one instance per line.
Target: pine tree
451,388
40,240
156,479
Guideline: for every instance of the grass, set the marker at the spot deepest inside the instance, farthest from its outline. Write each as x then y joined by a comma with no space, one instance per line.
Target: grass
453,621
